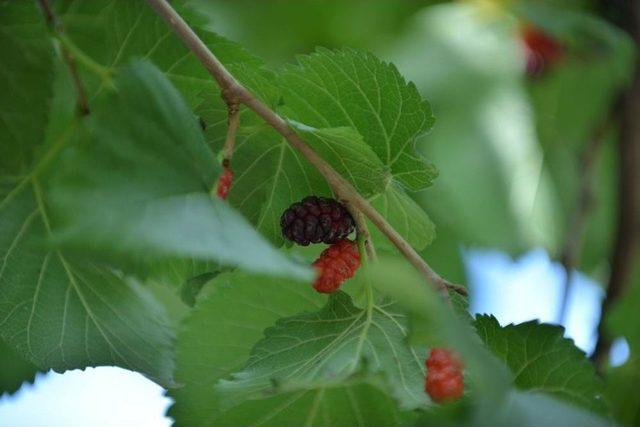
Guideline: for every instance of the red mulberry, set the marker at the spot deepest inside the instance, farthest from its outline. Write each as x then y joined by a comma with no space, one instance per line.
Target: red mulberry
224,183
542,50
444,382
336,264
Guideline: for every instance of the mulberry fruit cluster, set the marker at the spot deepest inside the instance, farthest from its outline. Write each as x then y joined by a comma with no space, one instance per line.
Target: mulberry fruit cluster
444,382
316,220
224,182
336,264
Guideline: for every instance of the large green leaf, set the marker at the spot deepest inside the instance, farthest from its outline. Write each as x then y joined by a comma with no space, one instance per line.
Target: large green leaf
216,339
325,349
63,315
351,88
541,359
138,184
16,370
344,148
217,336
26,78
345,405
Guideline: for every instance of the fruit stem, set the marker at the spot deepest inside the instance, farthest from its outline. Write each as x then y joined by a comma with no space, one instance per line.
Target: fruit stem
363,235
233,122
364,258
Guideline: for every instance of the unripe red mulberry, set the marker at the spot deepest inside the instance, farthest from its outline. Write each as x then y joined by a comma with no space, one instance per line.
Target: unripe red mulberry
315,220
444,382
224,182
336,264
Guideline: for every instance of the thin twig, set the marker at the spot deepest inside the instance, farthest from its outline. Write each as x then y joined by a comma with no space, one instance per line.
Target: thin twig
578,221
363,233
341,187
233,122
628,229
56,27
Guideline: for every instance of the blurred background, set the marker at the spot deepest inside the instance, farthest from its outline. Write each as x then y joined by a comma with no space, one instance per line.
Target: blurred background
531,140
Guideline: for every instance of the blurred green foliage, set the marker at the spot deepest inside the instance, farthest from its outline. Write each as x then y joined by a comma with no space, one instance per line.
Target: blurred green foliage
508,147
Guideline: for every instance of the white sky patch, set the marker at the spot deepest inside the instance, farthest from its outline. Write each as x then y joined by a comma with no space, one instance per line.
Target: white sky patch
531,287
96,397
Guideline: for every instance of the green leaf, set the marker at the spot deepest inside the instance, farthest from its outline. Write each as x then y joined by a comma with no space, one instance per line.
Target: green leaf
216,338
340,343
16,370
346,405
138,184
25,83
344,148
192,287
167,296
170,272
408,219
355,89
63,315
538,409
541,359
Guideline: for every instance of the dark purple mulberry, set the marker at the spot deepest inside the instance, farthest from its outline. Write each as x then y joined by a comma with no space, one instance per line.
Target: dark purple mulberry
315,220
